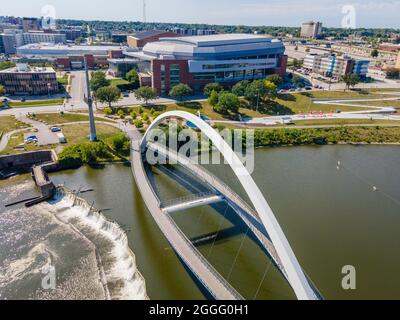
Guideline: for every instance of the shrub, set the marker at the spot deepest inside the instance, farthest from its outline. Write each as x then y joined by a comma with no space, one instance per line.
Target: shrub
107,111
138,124
133,115
119,142
121,114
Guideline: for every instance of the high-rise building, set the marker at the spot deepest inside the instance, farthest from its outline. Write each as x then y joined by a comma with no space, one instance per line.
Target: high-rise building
2,50
29,24
12,39
311,30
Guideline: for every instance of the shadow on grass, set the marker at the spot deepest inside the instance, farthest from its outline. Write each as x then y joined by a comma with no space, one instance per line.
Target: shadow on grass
269,107
286,97
307,94
190,105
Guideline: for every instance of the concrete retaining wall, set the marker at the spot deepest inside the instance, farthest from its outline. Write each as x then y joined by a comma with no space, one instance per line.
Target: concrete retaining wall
25,161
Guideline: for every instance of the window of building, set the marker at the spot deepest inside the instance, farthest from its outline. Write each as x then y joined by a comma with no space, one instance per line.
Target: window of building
174,73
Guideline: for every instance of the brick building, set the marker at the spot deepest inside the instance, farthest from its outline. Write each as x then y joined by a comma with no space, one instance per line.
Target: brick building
199,60
140,39
26,80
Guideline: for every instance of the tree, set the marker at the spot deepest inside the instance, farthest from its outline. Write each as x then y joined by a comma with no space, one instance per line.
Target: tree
374,53
239,88
351,80
391,73
297,81
146,94
227,103
271,89
181,91
297,63
108,94
6,65
132,76
255,91
214,86
98,81
2,90
275,79
213,98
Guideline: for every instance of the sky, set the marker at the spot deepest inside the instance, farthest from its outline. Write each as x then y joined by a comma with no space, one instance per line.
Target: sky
378,13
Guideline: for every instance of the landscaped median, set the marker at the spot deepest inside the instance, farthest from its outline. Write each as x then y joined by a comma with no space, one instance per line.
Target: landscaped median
35,103
59,118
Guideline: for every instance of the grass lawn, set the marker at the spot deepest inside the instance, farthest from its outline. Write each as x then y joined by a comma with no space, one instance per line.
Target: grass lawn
75,133
57,118
63,80
298,104
382,103
339,122
116,82
78,133
36,103
9,123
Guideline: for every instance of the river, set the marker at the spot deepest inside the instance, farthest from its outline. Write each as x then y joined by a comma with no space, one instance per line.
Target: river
338,206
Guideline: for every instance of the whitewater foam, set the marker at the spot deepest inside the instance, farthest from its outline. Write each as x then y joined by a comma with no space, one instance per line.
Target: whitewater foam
122,276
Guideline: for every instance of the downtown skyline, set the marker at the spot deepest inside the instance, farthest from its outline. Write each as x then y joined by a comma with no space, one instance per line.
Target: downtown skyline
291,13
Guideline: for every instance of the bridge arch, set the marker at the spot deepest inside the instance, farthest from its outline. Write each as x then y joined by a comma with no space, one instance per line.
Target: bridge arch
294,272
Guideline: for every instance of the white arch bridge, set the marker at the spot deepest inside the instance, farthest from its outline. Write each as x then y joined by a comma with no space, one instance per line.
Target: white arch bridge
260,220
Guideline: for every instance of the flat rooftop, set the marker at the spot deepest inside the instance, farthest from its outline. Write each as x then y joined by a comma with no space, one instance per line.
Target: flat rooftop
29,70
220,39
55,47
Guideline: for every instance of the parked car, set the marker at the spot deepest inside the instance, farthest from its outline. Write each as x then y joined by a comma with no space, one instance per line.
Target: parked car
31,139
126,94
308,88
55,129
23,100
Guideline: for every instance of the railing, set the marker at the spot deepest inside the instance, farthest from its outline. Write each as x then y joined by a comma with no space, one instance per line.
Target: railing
193,197
136,144
183,237
230,196
205,262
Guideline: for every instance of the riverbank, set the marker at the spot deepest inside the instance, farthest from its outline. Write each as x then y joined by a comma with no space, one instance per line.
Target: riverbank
324,136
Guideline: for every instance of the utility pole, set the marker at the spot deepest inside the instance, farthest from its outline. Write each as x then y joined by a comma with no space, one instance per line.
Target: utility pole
93,135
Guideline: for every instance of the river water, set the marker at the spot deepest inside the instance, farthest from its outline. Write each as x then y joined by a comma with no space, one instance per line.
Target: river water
338,206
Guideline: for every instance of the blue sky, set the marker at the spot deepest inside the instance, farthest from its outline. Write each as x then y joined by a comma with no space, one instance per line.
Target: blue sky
378,13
